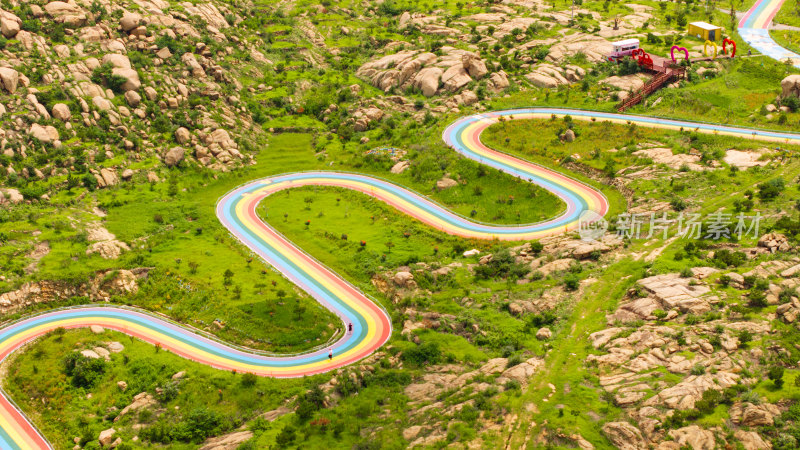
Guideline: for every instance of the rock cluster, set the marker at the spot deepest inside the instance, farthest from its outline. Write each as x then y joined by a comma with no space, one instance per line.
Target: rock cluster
429,73
99,288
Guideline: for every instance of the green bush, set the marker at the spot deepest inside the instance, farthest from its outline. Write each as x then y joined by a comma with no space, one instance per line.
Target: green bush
425,353
776,375
84,371
771,189
103,75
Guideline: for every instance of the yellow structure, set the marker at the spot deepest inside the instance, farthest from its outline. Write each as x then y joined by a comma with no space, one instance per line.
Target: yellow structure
705,31
711,43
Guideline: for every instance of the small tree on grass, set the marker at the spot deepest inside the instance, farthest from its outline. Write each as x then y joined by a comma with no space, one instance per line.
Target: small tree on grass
227,277
776,375
249,379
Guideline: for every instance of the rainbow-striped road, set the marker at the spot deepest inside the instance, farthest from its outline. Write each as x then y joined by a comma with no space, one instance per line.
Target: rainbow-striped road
372,326
754,29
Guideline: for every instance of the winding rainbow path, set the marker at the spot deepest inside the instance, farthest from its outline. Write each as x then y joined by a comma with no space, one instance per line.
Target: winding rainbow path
371,324
754,29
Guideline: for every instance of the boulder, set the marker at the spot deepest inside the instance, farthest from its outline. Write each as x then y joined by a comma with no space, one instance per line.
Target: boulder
400,167
69,13
10,195
455,78
10,24
182,136
101,103
403,279
790,86
191,62
624,436
446,183
499,81
10,79
569,136
45,134
61,112
118,61
427,80
477,69
522,372
774,242
129,21
109,177
133,98
694,437
751,440
227,441
164,53
756,416
541,80
131,76
150,93
90,354
544,334
174,156
140,401
106,436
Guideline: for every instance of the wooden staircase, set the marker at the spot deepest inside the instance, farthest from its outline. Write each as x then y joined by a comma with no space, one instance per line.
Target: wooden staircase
651,86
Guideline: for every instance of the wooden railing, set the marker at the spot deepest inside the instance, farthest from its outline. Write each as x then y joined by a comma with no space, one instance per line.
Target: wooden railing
651,86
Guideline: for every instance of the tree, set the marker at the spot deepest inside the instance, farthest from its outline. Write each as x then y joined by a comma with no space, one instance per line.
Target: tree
227,276
771,189
776,375
85,371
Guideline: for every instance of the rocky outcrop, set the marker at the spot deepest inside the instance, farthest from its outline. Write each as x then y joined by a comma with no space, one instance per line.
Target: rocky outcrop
549,76
104,242
666,292
10,24
429,73
174,156
99,288
10,79
106,436
230,441
68,13
790,86
45,134
694,437
624,436
140,401
445,183
774,242
11,196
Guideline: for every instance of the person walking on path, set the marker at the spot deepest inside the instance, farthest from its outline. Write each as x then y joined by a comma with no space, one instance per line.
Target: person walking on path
350,327
330,354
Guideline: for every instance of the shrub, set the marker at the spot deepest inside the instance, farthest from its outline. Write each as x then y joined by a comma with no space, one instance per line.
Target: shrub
771,189
791,102
745,337
425,353
249,379
103,75
536,247
776,375
85,371
572,282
